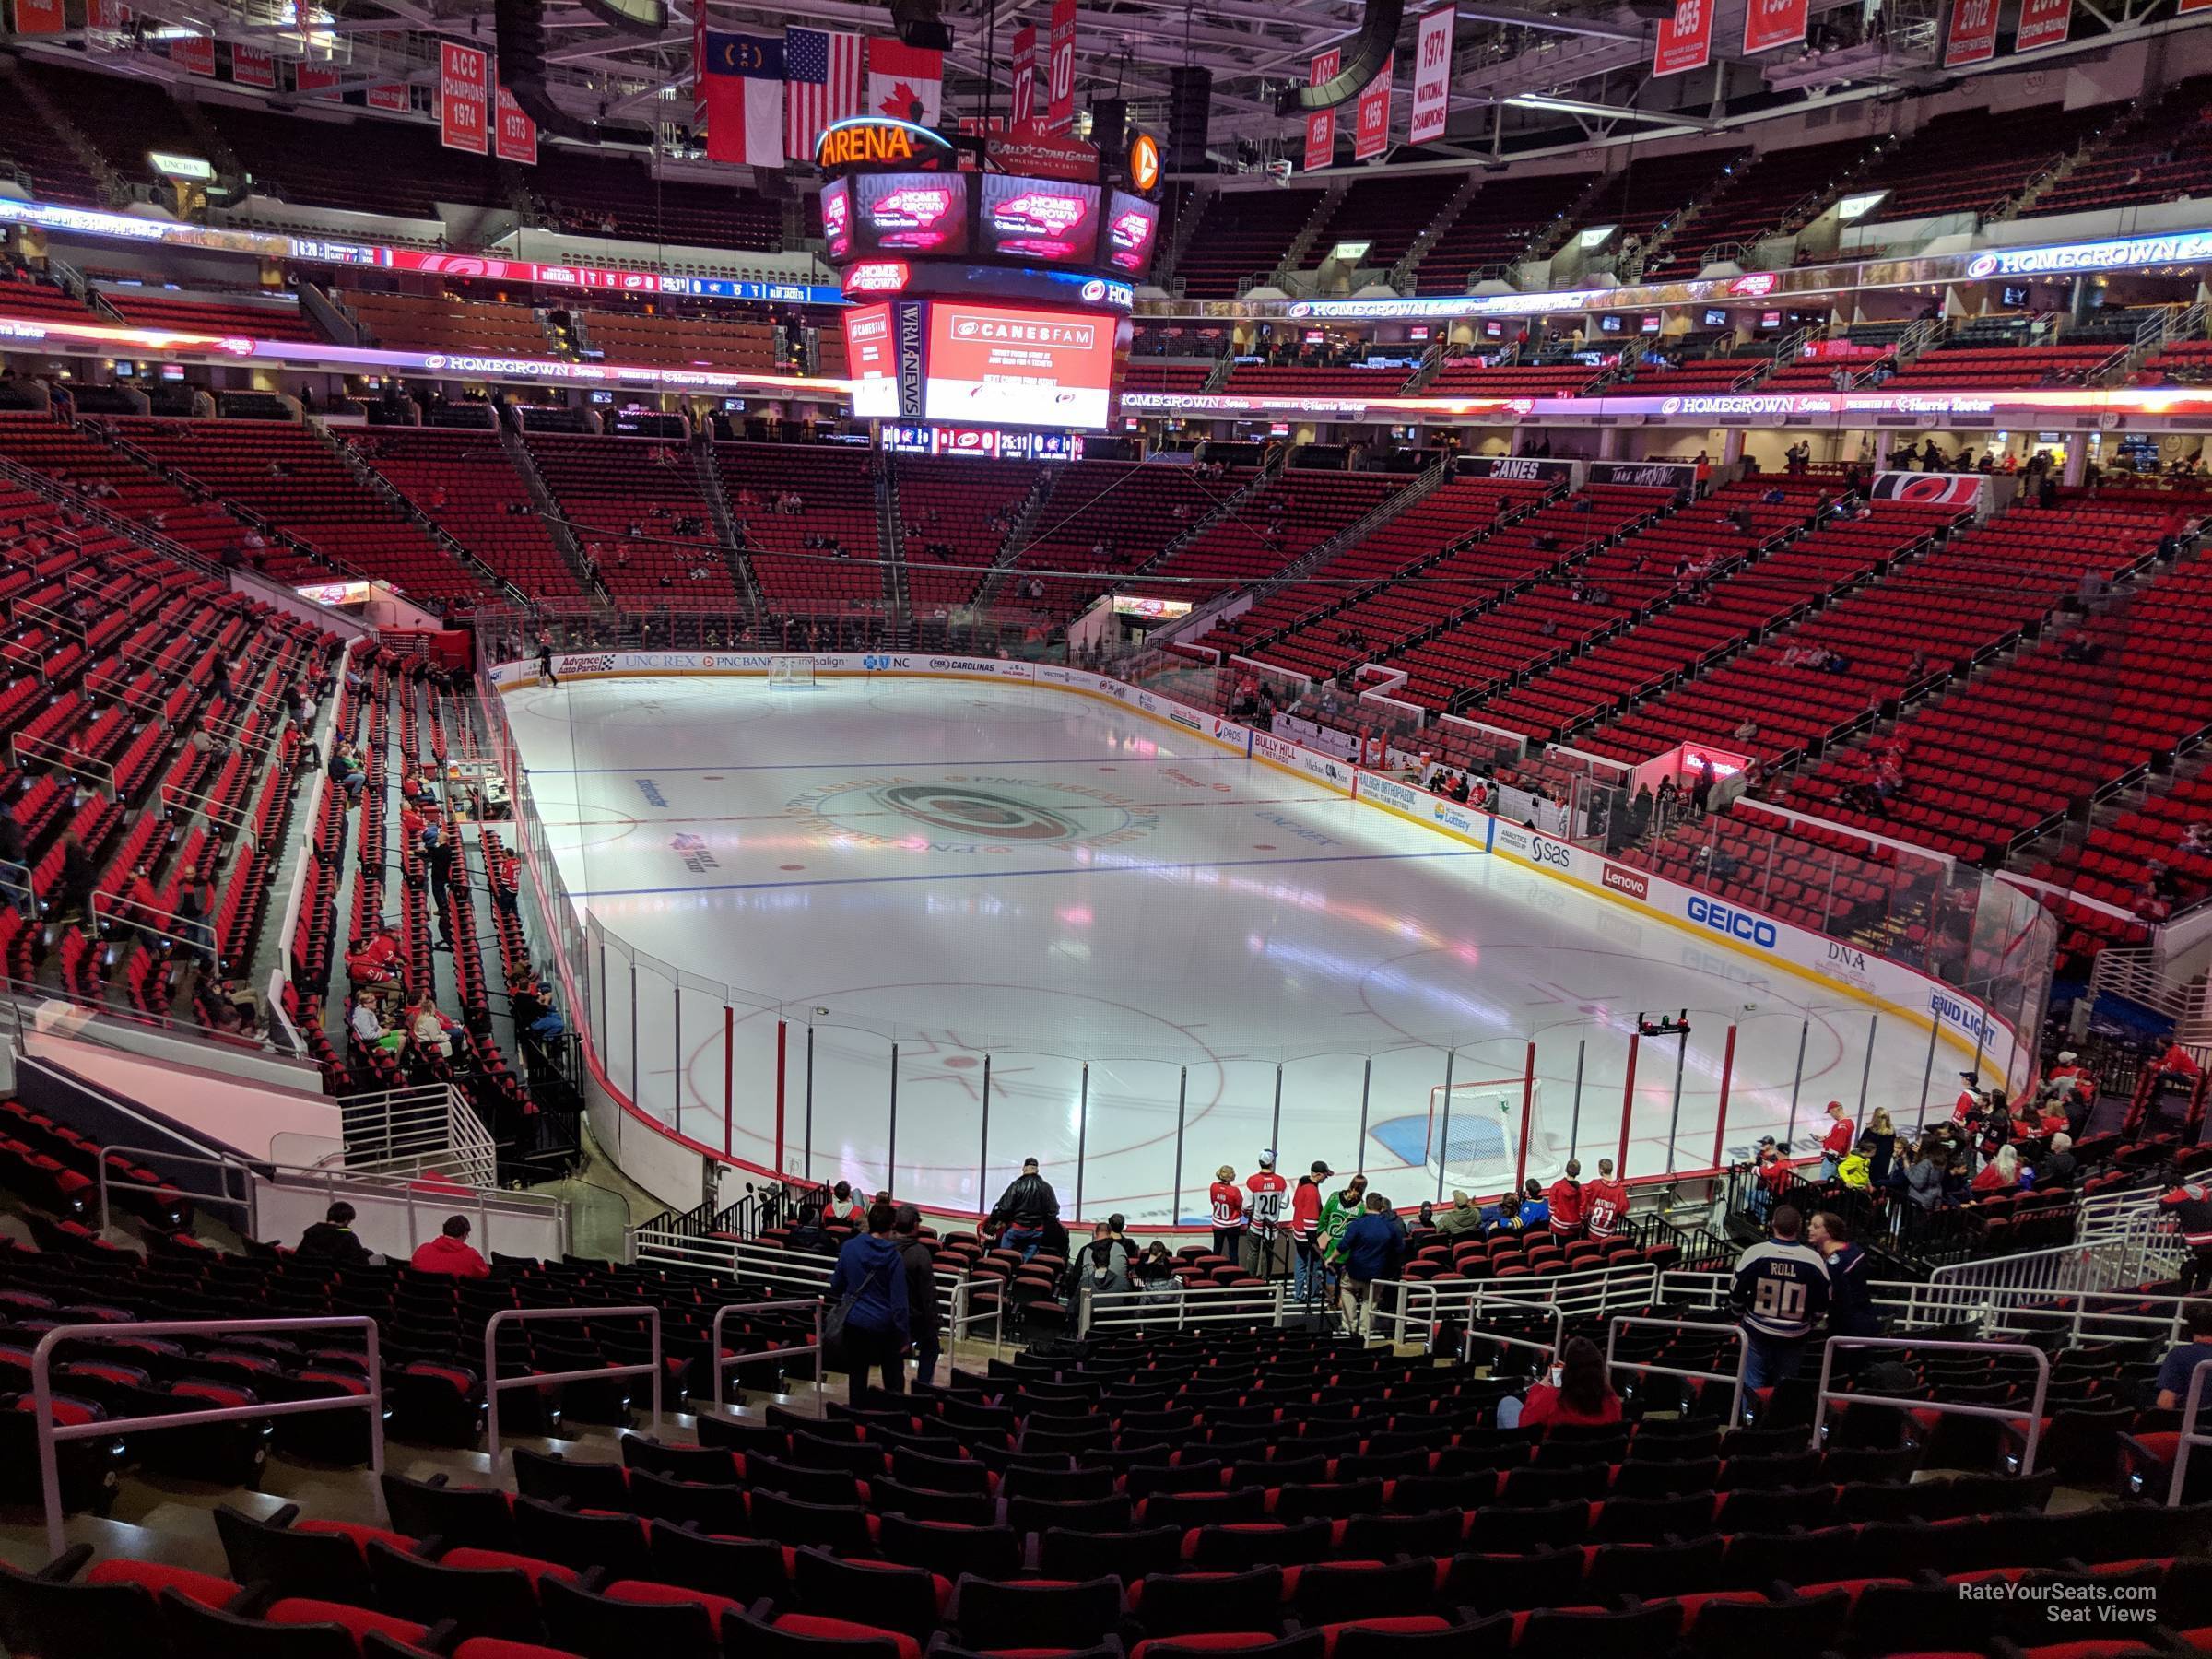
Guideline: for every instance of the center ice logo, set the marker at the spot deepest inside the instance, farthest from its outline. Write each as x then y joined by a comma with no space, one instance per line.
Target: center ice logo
964,814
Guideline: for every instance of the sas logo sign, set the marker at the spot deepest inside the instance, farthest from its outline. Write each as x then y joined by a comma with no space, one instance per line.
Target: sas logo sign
1734,923
1630,884
1552,854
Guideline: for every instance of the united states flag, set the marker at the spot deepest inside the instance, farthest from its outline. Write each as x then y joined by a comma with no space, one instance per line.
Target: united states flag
822,76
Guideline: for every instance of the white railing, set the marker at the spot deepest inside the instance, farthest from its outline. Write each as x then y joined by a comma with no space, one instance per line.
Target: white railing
791,1273
417,1131
2031,1415
51,1433
495,1384
1191,1307
2192,1435
963,1322
1550,1350
809,1305
1419,1303
1653,1369
424,1207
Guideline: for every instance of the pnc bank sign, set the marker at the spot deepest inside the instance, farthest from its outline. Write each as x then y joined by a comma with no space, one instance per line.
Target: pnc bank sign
870,141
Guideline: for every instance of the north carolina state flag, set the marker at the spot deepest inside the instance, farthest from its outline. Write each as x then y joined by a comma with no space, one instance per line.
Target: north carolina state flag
1684,39
1371,137
1973,33
906,83
1321,125
1771,23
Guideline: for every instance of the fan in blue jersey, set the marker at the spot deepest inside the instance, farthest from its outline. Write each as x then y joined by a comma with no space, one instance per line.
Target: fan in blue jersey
1779,1292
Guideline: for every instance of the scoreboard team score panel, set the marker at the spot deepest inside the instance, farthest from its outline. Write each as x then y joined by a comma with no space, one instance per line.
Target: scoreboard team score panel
945,216
981,363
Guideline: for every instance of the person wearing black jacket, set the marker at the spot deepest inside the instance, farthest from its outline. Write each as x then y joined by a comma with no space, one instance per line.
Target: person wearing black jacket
1027,1210
333,1239
922,1317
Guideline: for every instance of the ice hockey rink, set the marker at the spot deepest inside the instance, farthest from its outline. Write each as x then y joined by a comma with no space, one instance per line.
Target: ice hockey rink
1164,958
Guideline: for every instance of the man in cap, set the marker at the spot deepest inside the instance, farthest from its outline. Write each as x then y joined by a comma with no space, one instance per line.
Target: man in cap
1267,1207
2068,1088
1027,1207
1312,1278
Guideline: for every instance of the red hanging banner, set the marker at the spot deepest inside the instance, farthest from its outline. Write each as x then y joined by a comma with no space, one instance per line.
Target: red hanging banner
1684,39
1432,76
462,97
2043,23
1974,34
1771,23
249,66
317,83
1321,125
1059,69
389,94
1371,137
516,139
40,18
1024,98
193,53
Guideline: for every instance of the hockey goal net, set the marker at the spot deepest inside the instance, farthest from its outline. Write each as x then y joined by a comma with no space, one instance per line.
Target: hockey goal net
1475,1130
791,671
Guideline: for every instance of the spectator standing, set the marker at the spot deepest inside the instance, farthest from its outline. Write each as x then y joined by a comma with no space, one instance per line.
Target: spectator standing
1025,1209
1373,1247
1879,1144
1850,1284
451,1252
1605,1203
1342,1209
1565,1204
1779,1290
1310,1278
1267,1205
1228,1201
920,1264
1838,1141
869,1286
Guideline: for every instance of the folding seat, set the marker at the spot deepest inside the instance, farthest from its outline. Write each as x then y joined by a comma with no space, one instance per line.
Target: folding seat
1279,1471
1649,1570
934,1473
109,1611
1198,1476
1035,1612
760,1635
808,1486
1650,1629
1338,1592
580,1539
633,1616
1539,1578
1128,1555
911,1599
842,1527
308,1629
1418,1637
948,1549
1499,1528
483,1592
1246,1644
711,1508
1648,1520
744,1570
1051,1480
481,1516
1192,1604
552,1478
1026,1514
726,1433
1763,1512
814,1452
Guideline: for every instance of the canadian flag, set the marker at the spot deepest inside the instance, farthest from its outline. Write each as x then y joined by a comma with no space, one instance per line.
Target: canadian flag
905,83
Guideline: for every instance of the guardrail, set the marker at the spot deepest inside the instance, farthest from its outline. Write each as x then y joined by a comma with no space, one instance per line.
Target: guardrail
1558,1334
50,1434
960,1325
2032,1414
1199,1306
412,1130
797,1305
1650,1368
2192,1436
1421,1303
495,1384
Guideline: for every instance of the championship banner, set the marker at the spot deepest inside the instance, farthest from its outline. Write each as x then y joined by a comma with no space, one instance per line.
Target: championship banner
1059,69
1433,75
463,100
515,138
1684,39
1321,125
1771,23
40,18
1025,73
2186,7
253,67
1973,33
315,83
2043,23
390,95
1371,136
193,53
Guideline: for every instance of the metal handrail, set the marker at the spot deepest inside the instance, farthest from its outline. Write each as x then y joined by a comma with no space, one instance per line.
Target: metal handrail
1558,1342
1620,1322
815,1348
495,1384
2033,1414
50,1434
2191,1436
1128,1311
961,1317
1594,1286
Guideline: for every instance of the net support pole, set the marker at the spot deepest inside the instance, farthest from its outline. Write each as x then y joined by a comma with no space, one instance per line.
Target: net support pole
729,1079
635,1099
1927,1074
806,1172
1183,1093
1274,1124
1674,1117
891,1148
982,1148
1528,1114
1082,1131
1628,1108
1873,1026
1443,1145
683,1072
1720,1121
1367,1078
1574,1124
1789,1135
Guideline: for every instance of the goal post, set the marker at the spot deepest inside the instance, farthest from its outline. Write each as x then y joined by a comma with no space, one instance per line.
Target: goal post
791,671
1475,1131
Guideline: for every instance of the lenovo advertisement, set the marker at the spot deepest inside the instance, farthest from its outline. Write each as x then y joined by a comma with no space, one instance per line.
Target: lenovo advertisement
995,365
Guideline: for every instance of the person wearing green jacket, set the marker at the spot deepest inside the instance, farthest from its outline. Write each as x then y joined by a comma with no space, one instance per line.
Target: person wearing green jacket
1338,1212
